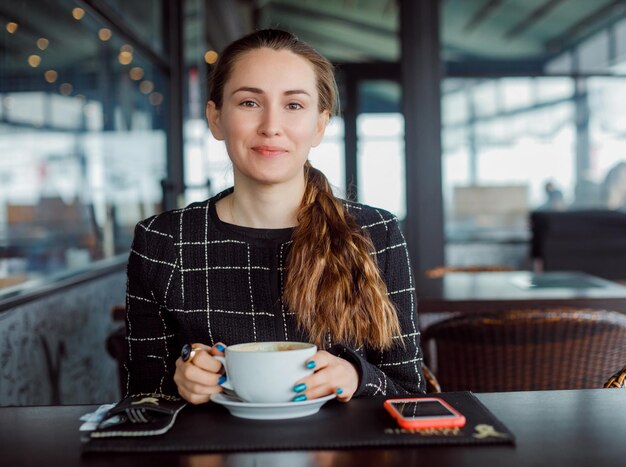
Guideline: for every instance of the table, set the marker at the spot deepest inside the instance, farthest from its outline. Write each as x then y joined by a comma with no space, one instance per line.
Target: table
496,291
573,428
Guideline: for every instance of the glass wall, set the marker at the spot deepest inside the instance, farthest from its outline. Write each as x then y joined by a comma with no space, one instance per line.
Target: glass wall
503,140
526,133
380,146
329,156
552,140
82,138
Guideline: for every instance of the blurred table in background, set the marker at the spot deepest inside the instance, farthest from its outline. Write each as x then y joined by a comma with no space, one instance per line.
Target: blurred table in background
493,291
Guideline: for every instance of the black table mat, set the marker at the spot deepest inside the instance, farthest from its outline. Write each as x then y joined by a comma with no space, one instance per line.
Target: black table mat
359,423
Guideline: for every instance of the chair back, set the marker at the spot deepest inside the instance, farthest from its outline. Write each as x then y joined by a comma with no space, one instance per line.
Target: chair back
526,349
618,380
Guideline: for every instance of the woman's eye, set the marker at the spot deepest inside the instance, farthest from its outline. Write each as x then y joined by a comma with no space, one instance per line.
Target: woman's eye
248,104
294,106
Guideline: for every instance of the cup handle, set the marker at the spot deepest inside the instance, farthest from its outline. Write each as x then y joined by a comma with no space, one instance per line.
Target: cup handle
226,384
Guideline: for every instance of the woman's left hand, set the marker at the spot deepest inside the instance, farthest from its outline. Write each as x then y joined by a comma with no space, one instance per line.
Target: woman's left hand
333,375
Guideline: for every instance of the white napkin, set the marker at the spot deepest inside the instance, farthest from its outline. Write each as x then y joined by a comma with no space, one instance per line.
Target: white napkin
93,418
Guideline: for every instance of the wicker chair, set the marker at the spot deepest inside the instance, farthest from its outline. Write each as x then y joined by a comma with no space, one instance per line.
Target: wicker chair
526,349
440,271
618,380
432,385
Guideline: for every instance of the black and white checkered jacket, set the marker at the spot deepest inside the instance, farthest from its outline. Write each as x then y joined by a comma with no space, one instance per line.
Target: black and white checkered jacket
193,278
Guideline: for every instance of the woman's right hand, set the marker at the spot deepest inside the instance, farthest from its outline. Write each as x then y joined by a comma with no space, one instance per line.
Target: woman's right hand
198,378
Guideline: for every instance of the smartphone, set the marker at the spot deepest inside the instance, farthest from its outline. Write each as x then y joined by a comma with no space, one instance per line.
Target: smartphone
425,412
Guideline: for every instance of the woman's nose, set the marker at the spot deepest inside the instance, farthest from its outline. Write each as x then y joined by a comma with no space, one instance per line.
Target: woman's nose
270,123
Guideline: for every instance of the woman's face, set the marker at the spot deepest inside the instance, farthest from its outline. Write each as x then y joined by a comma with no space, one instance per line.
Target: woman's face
269,118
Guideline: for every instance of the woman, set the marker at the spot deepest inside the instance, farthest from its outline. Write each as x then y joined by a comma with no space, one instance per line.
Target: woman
277,257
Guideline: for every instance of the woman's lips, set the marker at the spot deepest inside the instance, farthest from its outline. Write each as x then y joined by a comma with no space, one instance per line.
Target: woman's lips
269,150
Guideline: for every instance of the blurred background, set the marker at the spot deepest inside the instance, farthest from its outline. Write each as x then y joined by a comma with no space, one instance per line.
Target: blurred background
459,116
530,94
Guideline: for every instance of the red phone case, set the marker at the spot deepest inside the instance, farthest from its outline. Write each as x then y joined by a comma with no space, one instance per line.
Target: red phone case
457,420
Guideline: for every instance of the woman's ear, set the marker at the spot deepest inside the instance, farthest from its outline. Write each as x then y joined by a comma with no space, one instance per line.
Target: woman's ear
322,121
213,117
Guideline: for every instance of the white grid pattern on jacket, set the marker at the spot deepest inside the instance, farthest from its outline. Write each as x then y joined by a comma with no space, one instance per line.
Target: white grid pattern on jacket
192,278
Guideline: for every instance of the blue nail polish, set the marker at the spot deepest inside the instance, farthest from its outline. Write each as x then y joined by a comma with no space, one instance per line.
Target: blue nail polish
220,347
339,391
222,379
299,387
299,398
310,365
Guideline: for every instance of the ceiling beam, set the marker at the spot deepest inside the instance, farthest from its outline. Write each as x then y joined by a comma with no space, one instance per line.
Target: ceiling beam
341,49
116,22
493,68
532,17
614,11
23,26
382,48
36,23
33,25
313,15
226,21
487,9
371,70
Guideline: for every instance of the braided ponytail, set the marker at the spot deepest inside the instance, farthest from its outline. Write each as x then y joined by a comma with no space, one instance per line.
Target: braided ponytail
333,283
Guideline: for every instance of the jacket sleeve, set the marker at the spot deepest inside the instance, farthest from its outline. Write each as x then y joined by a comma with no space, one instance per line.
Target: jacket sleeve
398,370
151,337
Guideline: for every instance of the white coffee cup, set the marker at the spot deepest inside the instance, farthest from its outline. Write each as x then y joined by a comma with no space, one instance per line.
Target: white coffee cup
266,372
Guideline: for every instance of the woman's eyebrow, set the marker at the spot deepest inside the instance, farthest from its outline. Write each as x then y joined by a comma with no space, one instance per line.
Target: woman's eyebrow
260,91
247,89
297,91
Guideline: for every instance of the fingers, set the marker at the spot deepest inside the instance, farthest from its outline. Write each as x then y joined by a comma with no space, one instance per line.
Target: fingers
194,398
320,385
200,377
217,349
204,359
320,360
333,375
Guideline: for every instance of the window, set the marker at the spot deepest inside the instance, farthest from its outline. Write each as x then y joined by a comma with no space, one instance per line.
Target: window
82,140
380,147
507,139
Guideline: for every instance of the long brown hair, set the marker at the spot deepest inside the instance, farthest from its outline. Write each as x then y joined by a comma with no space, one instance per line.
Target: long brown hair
333,283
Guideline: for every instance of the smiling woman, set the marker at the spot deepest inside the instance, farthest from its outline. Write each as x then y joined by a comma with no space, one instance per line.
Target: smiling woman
268,126
277,257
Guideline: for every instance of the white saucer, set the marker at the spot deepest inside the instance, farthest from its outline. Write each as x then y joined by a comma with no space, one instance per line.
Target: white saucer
271,411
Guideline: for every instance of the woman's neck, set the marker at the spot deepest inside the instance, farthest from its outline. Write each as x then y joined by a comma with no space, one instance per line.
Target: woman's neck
264,207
